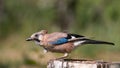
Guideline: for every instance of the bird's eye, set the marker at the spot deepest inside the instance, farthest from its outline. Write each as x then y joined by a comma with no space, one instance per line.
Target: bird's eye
36,35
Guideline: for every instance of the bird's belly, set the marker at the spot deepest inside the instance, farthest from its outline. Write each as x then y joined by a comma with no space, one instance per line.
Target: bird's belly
63,48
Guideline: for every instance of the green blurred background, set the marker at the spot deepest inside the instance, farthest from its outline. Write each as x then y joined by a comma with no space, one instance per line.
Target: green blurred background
96,19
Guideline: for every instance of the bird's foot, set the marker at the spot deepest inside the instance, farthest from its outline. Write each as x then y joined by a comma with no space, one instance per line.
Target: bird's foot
63,57
60,58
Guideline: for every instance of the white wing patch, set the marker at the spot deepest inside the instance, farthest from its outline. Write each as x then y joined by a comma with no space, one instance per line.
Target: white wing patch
72,37
78,43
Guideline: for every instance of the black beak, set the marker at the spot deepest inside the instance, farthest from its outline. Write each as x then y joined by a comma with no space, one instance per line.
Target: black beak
29,39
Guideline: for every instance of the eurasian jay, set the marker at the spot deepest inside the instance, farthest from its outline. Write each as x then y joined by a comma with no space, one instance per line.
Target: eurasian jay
61,42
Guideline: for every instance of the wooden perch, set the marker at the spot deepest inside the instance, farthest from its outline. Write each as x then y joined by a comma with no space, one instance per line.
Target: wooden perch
76,63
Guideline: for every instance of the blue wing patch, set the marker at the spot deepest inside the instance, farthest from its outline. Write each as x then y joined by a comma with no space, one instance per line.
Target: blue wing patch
59,41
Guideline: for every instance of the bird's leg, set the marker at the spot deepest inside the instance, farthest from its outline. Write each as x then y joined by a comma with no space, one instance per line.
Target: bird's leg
65,55
45,51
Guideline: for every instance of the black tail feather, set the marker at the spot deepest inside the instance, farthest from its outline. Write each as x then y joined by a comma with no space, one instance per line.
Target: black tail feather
89,41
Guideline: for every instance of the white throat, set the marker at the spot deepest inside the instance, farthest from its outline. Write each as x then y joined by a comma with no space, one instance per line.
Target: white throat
36,42
40,37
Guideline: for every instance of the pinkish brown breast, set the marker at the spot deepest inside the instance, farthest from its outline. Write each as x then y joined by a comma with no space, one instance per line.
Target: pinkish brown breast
63,48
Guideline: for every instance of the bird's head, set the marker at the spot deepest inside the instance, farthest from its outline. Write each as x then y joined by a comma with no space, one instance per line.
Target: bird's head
37,37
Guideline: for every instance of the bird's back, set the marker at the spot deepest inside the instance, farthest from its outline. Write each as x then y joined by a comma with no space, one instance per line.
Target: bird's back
52,37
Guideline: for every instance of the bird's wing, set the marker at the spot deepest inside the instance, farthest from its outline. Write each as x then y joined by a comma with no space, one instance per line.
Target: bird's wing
74,37
55,38
58,38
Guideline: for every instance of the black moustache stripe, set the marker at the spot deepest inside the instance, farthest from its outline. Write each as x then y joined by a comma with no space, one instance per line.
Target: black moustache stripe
37,40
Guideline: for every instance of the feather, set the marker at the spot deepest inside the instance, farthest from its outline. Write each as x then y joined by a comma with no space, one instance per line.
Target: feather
71,36
89,41
59,41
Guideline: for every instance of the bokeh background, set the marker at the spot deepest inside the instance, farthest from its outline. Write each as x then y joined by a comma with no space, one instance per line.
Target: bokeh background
96,19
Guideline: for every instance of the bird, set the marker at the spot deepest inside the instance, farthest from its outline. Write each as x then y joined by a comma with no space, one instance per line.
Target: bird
61,42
